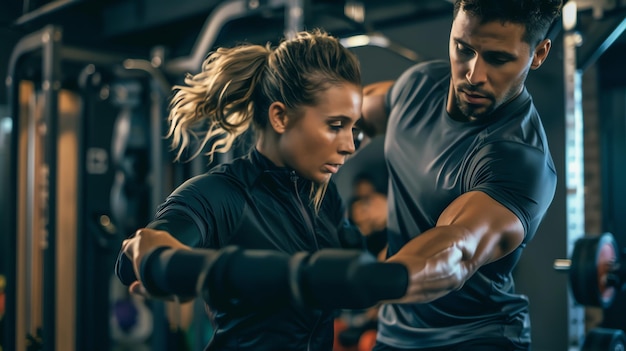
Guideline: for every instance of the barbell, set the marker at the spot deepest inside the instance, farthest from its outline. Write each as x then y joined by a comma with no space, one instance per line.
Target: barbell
604,339
596,274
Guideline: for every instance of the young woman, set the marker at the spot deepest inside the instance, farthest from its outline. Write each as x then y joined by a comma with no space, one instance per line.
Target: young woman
301,99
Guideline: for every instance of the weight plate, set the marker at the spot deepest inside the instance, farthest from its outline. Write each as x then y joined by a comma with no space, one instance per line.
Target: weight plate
593,261
604,339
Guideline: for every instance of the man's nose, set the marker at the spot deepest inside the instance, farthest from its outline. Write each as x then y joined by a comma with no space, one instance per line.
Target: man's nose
477,73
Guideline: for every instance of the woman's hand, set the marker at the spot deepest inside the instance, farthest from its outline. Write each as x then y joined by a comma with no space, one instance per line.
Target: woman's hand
143,242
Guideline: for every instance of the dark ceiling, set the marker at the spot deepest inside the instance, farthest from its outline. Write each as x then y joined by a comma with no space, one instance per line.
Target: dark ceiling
137,26
186,30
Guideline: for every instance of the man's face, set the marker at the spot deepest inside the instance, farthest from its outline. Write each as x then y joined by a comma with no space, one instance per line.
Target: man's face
490,62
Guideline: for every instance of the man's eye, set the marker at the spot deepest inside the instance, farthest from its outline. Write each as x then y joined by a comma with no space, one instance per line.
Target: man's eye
498,60
464,50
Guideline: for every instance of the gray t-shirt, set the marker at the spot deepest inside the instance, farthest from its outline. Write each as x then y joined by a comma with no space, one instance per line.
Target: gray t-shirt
432,159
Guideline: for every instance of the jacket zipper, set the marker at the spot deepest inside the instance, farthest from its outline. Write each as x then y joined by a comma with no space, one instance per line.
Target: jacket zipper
309,225
317,322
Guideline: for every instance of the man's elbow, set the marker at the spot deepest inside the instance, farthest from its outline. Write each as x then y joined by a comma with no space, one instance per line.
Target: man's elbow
374,110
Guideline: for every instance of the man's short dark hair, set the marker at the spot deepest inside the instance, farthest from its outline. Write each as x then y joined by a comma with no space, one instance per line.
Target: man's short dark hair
535,15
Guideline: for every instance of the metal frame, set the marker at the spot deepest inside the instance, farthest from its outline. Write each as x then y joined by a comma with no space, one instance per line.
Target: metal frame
610,28
578,56
574,169
228,11
47,43
44,41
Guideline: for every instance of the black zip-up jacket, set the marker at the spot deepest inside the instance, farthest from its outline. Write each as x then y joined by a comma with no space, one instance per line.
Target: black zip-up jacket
254,204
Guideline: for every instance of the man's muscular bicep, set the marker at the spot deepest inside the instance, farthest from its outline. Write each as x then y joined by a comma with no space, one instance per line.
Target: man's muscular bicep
493,231
472,231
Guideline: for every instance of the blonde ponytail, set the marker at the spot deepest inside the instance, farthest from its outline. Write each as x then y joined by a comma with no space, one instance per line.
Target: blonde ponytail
217,104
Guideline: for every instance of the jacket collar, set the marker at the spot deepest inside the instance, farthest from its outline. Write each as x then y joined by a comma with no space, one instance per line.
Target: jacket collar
264,163
282,174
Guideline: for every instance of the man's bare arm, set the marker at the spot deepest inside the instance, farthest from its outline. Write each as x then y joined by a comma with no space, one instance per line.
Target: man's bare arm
474,230
374,112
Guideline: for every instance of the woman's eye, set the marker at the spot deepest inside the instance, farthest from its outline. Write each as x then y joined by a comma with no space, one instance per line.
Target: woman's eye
463,50
336,126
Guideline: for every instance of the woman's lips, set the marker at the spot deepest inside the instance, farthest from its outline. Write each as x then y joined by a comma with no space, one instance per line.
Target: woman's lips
331,168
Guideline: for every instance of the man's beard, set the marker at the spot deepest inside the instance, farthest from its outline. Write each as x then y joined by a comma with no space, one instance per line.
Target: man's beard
470,111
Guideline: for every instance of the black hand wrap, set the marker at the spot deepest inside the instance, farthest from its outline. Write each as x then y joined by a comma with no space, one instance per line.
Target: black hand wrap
166,271
124,269
242,280
350,279
232,279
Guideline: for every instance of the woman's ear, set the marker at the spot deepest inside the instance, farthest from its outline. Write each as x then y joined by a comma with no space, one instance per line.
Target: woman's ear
278,117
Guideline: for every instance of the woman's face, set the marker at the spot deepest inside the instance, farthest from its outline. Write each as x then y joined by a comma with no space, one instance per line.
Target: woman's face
318,141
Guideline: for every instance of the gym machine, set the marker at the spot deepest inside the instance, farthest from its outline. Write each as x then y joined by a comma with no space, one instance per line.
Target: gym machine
42,234
61,228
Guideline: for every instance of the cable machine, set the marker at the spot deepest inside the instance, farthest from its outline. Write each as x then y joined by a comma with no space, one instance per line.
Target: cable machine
61,225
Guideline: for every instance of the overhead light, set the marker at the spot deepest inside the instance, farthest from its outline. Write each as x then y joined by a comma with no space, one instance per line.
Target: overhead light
569,13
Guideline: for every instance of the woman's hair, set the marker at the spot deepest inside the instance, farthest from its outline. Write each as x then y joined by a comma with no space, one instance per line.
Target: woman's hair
237,85
535,15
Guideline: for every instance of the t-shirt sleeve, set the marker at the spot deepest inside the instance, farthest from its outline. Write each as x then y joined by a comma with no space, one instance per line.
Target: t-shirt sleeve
409,84
403,87
202,212
518,176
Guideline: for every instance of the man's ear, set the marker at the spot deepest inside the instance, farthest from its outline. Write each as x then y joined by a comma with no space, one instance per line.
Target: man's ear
541,53
278,117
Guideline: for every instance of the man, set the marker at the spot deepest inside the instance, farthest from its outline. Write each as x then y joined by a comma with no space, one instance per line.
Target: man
471,177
